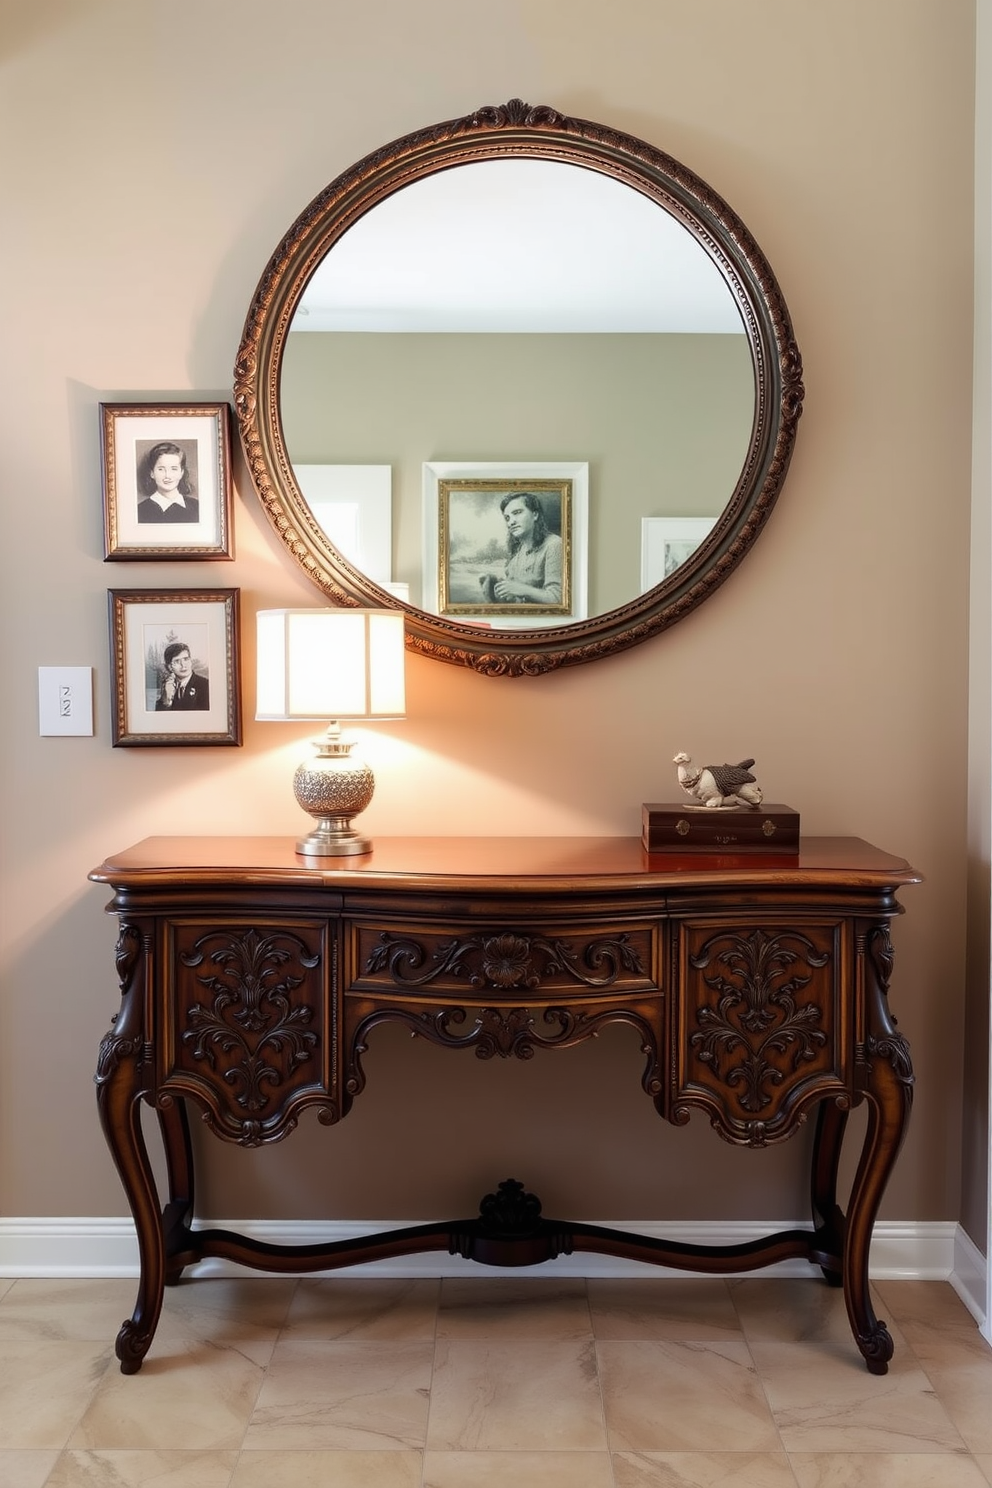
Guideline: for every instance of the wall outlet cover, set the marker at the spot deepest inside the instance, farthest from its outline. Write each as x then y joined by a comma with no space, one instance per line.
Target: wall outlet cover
65,700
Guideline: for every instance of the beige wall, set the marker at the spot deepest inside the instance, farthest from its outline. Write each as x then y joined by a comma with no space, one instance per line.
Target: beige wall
154,155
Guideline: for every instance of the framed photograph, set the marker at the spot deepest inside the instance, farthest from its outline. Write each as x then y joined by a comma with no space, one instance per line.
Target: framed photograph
506,543
166,481
667,543
175,666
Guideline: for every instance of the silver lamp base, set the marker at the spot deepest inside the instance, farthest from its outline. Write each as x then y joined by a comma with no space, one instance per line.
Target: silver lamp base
333,787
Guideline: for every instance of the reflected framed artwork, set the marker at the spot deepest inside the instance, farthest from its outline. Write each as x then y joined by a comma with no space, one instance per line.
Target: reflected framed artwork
352,505
175,666
505,543
166,481
667,543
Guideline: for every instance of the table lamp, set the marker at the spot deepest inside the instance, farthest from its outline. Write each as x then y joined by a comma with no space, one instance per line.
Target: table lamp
331,664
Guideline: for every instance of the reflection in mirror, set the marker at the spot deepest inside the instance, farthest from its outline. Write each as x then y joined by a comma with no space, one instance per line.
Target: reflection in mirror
525,310
517,286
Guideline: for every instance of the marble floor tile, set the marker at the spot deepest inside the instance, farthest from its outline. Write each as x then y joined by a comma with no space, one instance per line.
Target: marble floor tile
687,1310
958,1363
932,1302
513,1307
175,1469
45,1387
670,1396
521,1469
308,1469
321,1394
476,1382
516,1395
360,1309
26,1469
886,1470
702,1470
824,1400
244,1313
36,1308
796,1310
198,1396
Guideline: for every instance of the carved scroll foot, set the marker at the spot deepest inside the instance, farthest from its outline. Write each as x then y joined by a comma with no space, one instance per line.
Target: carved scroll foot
132,1345
876,1347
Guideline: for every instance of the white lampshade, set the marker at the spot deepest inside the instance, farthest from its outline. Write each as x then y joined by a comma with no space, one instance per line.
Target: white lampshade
330,664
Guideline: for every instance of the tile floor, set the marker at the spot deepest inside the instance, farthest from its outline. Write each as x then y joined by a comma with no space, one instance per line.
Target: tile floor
495,1382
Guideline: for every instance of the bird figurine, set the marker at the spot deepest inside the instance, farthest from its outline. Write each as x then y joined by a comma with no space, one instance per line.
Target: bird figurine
719,785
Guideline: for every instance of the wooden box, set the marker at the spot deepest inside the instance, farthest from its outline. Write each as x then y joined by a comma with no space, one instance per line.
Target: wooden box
676,827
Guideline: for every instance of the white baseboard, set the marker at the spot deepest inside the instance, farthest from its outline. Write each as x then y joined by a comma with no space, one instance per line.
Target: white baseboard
970,1277
107,1247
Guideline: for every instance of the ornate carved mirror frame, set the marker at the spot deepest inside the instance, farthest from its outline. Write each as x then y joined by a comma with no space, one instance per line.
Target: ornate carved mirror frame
518,130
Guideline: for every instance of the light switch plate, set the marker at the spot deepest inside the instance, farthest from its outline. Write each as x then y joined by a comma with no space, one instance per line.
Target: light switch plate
65,700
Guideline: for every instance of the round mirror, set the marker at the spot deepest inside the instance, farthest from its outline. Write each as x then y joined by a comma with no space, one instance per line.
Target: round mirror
524,376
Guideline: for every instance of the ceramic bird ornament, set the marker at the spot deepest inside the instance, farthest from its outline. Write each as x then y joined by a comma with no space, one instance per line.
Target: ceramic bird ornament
719,785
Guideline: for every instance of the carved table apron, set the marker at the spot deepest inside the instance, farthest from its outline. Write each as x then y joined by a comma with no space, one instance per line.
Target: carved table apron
251,980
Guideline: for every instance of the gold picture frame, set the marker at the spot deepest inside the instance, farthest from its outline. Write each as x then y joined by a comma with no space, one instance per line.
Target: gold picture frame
505,543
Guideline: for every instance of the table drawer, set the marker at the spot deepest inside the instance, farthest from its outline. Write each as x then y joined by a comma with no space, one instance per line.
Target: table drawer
479,963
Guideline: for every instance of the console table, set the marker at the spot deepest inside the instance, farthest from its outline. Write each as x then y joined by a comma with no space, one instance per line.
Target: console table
252,979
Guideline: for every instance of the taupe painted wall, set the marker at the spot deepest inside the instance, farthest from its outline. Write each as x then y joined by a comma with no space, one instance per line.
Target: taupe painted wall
664,423
154,155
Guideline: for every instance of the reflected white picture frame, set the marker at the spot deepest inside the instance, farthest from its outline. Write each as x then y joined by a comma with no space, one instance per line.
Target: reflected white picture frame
493,476
353,506
667,543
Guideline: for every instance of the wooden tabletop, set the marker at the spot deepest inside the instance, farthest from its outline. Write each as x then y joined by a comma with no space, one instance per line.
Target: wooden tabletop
548,862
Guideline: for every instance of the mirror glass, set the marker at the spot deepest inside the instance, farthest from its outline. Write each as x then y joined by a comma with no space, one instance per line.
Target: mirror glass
523,311
519,301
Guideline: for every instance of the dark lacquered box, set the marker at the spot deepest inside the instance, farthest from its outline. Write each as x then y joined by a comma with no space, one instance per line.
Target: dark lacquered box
677,827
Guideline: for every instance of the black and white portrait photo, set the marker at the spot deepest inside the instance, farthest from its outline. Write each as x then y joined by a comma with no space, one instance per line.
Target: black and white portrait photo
165,480
177,671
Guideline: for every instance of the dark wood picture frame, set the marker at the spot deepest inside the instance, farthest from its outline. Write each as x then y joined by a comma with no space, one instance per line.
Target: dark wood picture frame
175,664
185,512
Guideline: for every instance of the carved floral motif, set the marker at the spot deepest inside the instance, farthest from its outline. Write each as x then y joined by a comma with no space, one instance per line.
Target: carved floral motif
252,1019
511,1210
505,960
758,978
